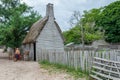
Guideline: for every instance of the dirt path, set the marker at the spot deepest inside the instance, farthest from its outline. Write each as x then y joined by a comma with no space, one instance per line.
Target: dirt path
23,70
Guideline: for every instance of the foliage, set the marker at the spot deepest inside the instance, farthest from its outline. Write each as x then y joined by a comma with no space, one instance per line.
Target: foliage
58,67
102,23
91,31
15,20
90,17
89,28
72,35
109,20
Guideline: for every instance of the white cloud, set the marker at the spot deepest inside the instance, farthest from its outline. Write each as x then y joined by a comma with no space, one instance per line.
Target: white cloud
63,9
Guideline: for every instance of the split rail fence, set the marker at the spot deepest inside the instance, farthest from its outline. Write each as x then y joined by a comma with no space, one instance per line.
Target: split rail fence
104,69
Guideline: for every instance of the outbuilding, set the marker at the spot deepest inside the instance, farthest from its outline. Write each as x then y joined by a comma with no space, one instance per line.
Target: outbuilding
45,34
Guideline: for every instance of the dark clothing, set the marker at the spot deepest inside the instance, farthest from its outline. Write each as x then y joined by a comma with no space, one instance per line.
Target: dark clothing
17,56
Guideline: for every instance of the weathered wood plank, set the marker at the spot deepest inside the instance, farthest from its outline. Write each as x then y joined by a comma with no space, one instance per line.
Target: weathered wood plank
106,76
94,62
96,67
73,58
95,77
106,60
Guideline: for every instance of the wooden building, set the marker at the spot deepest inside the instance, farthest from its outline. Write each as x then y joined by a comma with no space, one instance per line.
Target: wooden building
45,34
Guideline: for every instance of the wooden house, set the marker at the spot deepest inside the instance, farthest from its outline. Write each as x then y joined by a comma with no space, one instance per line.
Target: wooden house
45,34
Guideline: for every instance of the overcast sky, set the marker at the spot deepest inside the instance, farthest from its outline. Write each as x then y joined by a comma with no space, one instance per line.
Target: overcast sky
63,9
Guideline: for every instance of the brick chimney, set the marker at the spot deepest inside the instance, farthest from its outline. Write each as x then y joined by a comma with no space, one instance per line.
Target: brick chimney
49,11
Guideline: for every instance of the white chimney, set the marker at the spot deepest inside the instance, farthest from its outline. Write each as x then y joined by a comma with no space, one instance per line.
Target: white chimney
49,10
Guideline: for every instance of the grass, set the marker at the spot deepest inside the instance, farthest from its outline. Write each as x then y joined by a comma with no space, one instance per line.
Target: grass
62,68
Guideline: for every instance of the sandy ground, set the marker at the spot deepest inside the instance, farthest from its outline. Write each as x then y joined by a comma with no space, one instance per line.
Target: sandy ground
26,70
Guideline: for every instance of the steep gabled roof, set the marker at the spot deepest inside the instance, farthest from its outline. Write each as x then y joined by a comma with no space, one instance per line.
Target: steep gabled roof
35,30
37,27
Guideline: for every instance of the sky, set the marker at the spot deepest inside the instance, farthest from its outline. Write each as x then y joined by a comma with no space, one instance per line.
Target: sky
63,9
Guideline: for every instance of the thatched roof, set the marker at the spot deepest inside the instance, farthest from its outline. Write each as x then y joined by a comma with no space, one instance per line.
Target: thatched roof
36,29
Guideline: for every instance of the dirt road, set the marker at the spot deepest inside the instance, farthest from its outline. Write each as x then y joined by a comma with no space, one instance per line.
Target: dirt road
26,70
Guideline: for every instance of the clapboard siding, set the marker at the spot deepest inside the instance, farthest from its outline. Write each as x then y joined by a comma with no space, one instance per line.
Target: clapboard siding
46,34
49,39
31,51
30,48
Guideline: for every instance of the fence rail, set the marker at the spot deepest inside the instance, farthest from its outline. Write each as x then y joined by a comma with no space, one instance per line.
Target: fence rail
104,69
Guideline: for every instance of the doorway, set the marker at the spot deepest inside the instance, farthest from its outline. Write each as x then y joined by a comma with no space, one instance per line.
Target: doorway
34,51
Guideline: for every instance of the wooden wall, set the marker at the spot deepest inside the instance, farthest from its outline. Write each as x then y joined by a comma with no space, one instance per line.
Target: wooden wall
30,48
49,39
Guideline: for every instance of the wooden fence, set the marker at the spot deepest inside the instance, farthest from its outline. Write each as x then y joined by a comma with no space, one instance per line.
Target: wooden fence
104,69
77,59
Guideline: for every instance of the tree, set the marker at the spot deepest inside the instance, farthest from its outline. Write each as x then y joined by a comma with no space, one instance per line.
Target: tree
76,18
85,22
109,20
91,31
73,35
16,18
